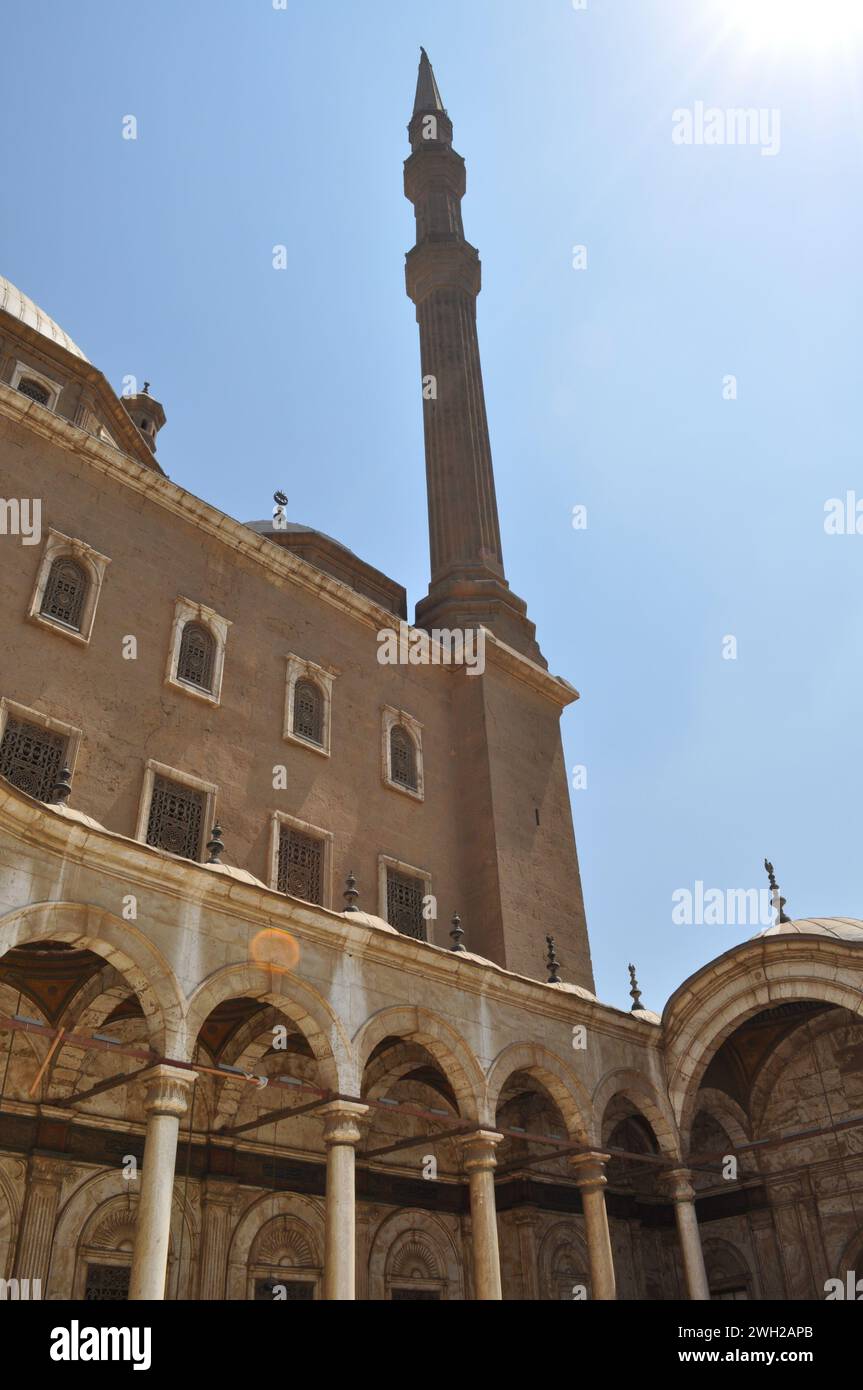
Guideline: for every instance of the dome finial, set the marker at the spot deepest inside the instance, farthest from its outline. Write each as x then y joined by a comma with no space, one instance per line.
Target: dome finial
635,992
280,521
777,900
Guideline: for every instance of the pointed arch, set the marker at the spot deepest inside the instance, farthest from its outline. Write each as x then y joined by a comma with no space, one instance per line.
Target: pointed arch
122,944
449,1050
568,1092
645,1098
294,998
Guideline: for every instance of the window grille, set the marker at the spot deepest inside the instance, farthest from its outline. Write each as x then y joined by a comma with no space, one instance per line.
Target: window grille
65,592
197,656
300,865
176,818
35,390
405,904
107,1283
403,758
308,712
31,757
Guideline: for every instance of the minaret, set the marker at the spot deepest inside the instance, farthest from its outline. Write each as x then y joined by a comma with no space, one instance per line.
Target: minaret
520,876
468,585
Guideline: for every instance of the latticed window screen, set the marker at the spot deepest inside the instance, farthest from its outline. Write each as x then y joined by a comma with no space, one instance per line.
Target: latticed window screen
31,757
65,592
107,1283
35,390
405,904
176,818
300,865
309,711
403,758
197,656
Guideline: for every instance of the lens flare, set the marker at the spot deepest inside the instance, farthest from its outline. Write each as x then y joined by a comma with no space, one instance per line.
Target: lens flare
278,950
802,25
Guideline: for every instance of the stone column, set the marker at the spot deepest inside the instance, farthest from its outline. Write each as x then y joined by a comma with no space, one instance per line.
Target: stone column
167,1100
44,1185
219,1203
342,1134
767,1258
526,1221
679,1185
591,1180
479,1163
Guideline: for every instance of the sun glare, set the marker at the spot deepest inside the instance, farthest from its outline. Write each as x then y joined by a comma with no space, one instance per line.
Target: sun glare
795,24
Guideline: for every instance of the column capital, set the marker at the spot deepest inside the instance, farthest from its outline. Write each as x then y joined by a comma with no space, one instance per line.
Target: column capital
49,1172
590,1170
679,1185
526,1216
217,1193
343,1122
478,1150
167,1090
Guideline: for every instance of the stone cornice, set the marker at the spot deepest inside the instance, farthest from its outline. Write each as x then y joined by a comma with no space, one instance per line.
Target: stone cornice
66,834
277,561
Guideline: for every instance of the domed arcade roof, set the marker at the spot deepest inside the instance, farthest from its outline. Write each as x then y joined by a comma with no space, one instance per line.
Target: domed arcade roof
838,928
22,307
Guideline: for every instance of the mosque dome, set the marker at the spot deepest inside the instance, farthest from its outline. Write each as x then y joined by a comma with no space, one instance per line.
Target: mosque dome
22,307
838,928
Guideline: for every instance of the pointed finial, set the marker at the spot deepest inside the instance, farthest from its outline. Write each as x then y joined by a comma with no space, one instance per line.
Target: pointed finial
457,933
552,962
215,846
777,900
351,894
635,992
62,788
428,97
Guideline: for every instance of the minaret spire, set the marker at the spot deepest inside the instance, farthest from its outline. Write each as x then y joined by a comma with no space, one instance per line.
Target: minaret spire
468,585
428,96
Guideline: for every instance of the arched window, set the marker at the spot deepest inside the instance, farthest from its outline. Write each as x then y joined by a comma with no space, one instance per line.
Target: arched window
197,656
35,390
65,592
309,711
403,758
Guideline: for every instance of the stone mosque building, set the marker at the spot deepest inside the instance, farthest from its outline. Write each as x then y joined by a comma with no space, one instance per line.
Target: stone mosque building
245,1051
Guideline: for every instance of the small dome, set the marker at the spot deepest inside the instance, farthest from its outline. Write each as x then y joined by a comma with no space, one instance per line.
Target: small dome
838,928
291,528
22,307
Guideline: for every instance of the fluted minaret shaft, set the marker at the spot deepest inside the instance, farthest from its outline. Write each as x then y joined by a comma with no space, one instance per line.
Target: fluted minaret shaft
464,533
443,279
468,585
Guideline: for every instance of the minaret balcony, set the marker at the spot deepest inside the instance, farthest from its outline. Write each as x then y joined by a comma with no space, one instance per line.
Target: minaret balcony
446,264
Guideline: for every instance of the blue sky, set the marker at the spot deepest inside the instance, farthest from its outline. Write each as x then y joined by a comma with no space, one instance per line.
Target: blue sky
605,386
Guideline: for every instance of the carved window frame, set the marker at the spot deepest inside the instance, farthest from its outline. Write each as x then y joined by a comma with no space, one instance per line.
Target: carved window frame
60,547
22,371
390,718
11,709
314,832
187,611
152,770
300,669
386,862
